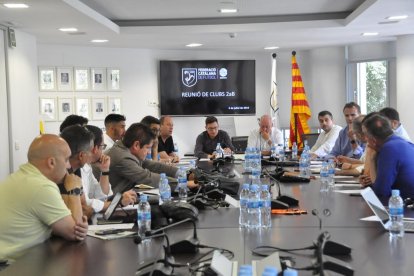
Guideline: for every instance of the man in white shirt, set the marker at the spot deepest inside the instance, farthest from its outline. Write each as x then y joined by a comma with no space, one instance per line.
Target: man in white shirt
114,129
265,136
327,137
396,125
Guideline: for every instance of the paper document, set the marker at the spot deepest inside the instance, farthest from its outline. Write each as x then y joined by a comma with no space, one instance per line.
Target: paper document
347,181
95,227
233,202
348,191
349,186
370,218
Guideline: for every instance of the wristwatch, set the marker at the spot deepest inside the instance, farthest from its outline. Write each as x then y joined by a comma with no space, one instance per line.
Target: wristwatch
76,191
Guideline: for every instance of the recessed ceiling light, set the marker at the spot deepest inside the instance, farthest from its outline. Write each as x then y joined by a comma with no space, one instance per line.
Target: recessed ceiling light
271,48
397,17
228,10
369,34
68,30
15,5
99,40
194,45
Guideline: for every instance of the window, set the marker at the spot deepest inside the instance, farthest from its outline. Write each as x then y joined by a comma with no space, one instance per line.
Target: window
368,85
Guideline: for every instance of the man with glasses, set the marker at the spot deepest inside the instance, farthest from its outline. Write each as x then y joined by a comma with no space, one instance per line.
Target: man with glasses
155,125
114,129
207,141
87,149
165,140
266,136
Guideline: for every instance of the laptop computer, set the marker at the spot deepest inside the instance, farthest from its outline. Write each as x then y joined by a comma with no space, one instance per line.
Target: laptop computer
109,218
381,212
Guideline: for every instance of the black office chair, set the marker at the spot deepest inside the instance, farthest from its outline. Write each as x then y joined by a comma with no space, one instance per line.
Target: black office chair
239,143
311,138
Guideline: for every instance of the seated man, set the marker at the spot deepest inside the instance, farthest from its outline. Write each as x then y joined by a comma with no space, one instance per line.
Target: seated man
73,120
154,124
206,142
396,125
114,129
266,136
128,164
165,140
346,144
326,139
85,151
394,158
31,207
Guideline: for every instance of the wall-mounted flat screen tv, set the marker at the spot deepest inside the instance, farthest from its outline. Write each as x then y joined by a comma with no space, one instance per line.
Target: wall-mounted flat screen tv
207,87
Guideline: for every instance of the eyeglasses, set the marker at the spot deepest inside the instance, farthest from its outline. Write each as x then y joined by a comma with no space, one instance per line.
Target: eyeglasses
103,146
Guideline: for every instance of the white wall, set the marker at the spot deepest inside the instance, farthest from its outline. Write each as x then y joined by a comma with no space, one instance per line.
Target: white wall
405,72
23,96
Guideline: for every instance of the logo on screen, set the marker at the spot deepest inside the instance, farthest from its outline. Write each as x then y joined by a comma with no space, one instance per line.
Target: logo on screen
189,76
223,73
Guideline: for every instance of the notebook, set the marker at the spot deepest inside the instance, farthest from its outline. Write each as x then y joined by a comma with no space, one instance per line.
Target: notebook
380,212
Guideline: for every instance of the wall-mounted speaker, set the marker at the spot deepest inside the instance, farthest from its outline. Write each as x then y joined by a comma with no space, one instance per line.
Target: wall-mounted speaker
12,38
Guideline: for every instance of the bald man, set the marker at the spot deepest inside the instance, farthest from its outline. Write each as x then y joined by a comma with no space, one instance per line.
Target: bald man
31,207
266,136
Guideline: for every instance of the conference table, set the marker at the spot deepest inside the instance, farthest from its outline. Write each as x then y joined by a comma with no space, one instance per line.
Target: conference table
373,253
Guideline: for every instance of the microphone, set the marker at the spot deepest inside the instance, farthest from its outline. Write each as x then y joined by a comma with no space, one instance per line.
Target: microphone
286,200
316,214
191,245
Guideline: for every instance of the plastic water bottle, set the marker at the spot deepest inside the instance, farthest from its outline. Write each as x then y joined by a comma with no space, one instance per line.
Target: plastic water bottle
331,173
144,218
281,152
273,151
247,163
265,207
182,184
270,271
324,177
253,207
244,198
246,270
290,272
165,189
396,206
176,149
149,155
256,160
219,151
192,164
256,178
303,165
294,150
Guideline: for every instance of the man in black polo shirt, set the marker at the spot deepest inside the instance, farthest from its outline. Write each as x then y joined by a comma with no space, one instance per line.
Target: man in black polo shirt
207,141
165,140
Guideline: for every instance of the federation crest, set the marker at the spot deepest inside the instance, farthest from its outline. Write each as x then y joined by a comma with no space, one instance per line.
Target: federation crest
189,76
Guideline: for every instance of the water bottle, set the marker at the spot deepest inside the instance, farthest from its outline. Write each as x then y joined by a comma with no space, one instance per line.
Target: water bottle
273,151
281,153
219,151
396,206
246,270
294,151
253,207
247,163
290,272
303,165
270,271
182,184
244,198
256,160
192,164
176,149
165,189
144,218
265,207
256,178
324,177
149,155
331,173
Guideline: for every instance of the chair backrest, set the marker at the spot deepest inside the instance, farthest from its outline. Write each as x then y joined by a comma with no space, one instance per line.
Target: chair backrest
239,143
311,138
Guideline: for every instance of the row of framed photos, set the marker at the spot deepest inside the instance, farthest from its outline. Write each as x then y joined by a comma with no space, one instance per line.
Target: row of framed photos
95,108
79,79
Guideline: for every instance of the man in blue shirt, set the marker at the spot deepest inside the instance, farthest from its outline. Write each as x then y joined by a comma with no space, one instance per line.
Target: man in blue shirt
346,144
395,162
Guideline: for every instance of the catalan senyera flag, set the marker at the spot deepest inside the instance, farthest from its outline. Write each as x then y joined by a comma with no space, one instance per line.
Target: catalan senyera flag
300,111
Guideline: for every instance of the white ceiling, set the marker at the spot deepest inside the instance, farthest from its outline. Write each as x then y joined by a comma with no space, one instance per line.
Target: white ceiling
171,24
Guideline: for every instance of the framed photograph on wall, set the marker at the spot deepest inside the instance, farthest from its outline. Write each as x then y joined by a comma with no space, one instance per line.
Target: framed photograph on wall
81,79
114,105
47,79
65,78
99,111
113,76
98,79
83,107
47,109
65,108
